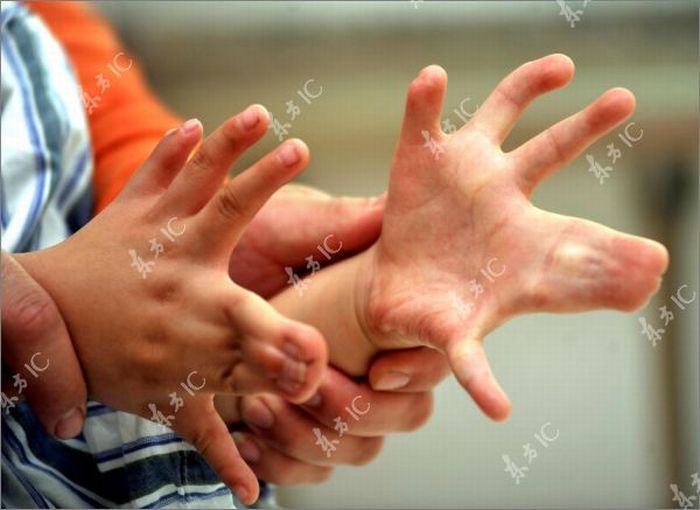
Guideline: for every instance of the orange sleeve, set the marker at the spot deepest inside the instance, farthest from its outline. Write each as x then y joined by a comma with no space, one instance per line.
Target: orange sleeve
128,120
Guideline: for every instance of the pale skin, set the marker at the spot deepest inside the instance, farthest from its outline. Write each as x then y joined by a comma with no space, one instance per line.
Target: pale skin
447,218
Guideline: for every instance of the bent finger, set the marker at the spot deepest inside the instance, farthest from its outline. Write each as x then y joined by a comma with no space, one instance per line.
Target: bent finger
409,370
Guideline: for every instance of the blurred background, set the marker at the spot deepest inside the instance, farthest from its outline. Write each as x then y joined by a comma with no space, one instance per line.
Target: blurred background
626,412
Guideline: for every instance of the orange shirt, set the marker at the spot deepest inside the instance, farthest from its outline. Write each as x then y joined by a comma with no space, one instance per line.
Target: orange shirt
128,121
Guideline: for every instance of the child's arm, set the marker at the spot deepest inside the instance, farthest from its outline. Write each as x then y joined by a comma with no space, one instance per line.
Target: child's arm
463,249
157,323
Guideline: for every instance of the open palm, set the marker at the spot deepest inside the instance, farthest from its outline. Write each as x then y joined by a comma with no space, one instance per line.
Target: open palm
462,247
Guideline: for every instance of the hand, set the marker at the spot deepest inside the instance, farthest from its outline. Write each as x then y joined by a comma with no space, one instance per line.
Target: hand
449,216
277,439
143,331
33,332
290,226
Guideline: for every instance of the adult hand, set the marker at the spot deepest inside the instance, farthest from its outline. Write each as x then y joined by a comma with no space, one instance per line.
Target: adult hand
290,227
37,347
278,439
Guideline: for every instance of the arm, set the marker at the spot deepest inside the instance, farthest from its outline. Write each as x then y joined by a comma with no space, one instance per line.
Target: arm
121,315
331,303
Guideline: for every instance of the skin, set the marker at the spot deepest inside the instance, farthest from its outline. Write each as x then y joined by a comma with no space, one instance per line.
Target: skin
278,453
170,325
449,217
31,323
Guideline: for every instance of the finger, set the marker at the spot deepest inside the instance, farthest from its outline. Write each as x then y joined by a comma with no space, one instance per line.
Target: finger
354,222
564,141
468,361
424,105
409,370
274,466
198,423
289,430
501,110
221,222
205,172
593,267
166,160
35,341
377,412
276,354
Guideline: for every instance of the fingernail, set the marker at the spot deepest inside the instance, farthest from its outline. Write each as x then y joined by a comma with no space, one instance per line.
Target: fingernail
258,414
392,381
70,424
314,401
250,117
288,386
191,125
170,132
288,154
292,350
246,447
241,493
293,371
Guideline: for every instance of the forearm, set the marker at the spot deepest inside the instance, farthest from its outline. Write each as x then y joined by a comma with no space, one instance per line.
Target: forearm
331,303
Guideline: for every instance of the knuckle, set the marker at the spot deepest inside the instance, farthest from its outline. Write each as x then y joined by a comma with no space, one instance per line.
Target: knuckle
555,144
31,314
229,204
202,160
368,450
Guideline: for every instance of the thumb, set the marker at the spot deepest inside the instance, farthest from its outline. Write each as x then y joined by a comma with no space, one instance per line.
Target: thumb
199,423
471,367
354,221
37,348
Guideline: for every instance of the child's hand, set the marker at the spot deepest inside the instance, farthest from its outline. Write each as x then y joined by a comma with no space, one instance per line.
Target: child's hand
148,335
451,215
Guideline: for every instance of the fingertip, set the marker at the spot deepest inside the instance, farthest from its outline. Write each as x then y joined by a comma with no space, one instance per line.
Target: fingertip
430,81
657,256
620,101
293,154
246,494
70,424
192,128
558,70
433,74
254,119
563,61
308,347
